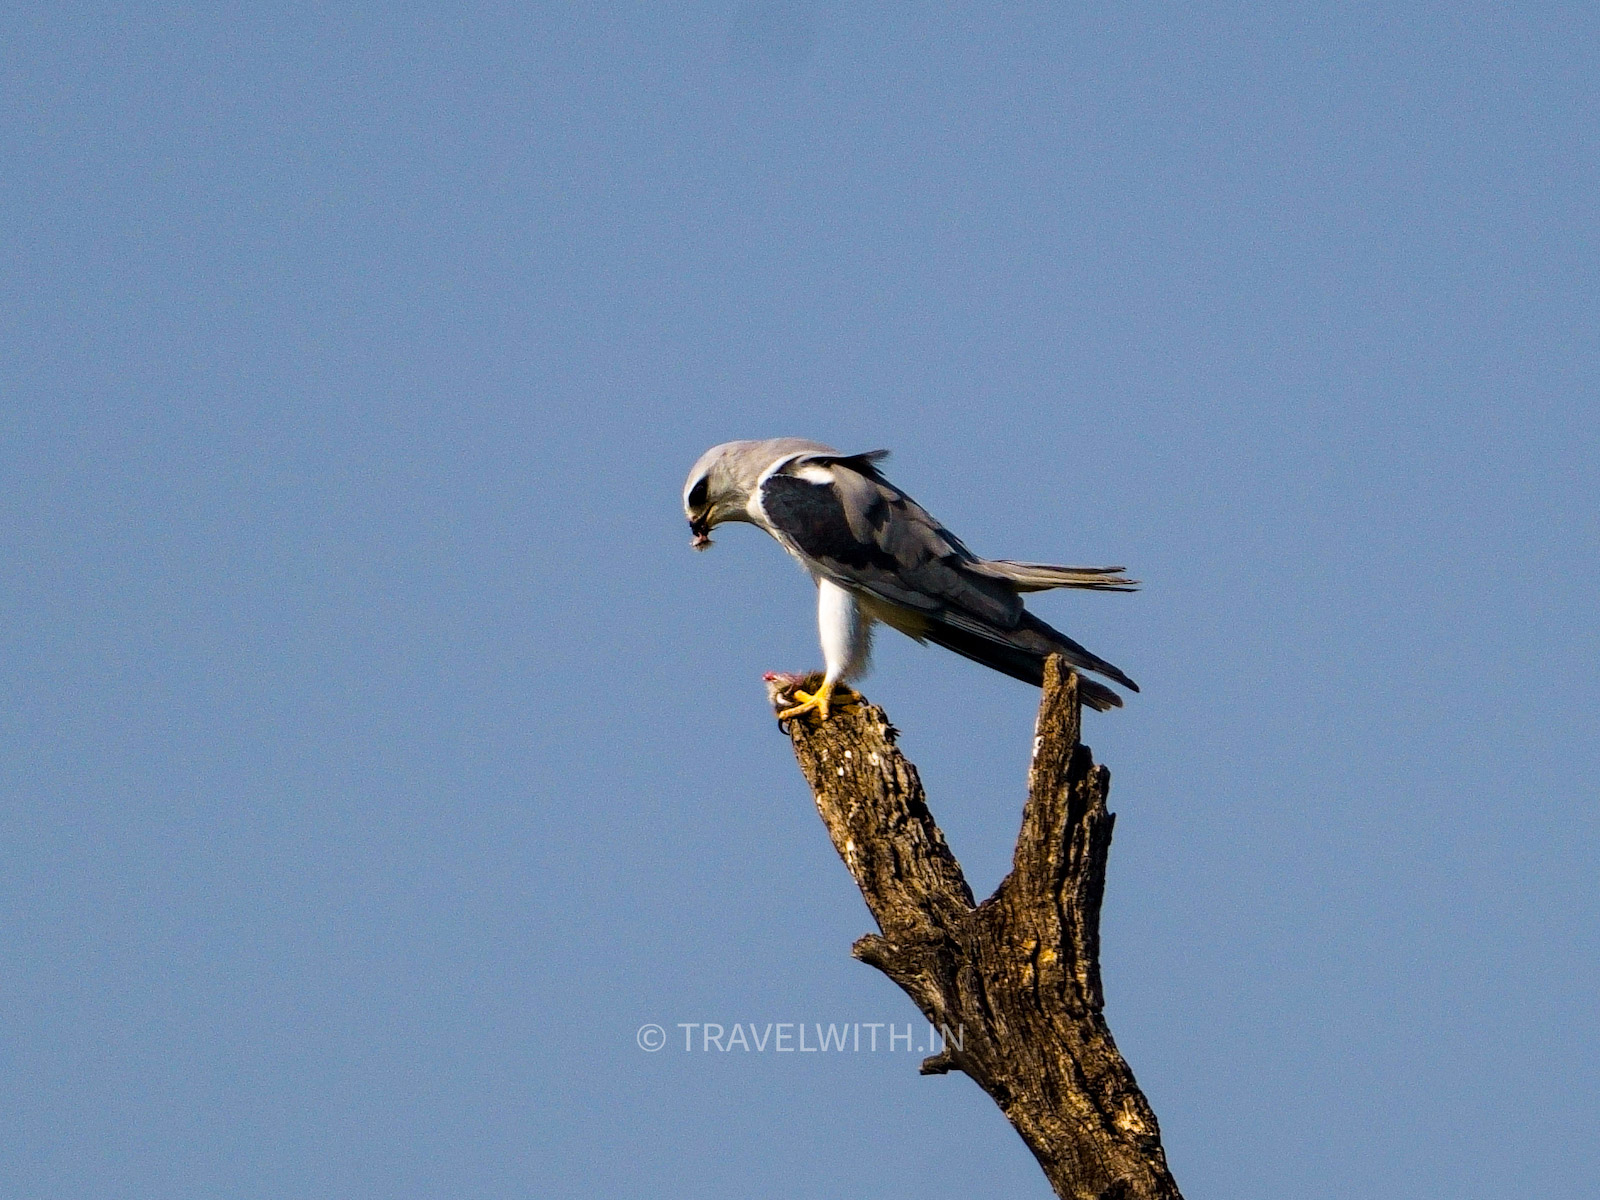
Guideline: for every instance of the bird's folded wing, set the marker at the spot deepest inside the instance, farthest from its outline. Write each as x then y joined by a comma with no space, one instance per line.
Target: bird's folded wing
849,524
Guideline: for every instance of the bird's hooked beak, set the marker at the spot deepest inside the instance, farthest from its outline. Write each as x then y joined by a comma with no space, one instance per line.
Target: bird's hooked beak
702,533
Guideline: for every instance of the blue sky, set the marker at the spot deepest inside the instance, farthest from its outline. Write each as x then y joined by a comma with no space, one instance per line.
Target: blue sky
377,758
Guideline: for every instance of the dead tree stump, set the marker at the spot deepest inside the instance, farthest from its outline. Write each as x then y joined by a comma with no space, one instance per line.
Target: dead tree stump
1015,979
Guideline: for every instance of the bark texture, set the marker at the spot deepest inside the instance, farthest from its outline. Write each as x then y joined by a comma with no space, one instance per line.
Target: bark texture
1016,979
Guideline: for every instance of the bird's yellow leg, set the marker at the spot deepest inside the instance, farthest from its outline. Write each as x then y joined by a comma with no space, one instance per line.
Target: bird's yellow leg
816,702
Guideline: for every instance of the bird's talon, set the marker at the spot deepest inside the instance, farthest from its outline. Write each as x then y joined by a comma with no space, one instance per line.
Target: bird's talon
816,702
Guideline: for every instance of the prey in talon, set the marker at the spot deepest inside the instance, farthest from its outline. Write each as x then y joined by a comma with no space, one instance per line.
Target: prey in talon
877,556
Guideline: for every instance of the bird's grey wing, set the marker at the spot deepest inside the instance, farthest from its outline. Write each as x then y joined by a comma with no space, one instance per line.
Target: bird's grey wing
856,528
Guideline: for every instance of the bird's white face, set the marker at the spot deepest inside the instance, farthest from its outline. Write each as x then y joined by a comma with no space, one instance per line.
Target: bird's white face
718,489
708,496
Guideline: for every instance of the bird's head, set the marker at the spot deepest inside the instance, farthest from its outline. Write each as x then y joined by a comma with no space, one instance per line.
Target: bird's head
721,483
712,494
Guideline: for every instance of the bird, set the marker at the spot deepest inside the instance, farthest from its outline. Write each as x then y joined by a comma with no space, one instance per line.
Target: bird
878,557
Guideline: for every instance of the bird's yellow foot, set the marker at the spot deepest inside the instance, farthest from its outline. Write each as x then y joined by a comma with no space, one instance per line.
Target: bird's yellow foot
828,698
816,702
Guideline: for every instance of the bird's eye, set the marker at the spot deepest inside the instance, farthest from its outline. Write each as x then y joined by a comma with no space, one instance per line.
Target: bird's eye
697,494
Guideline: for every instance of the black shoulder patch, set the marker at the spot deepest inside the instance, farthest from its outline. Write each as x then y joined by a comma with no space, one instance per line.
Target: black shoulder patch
811,514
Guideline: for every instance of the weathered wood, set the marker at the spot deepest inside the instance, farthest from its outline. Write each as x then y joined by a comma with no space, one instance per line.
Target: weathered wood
1015,979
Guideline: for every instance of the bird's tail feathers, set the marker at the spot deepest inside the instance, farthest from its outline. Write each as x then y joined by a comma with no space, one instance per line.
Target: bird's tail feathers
1049,640
1097,695
1021,652
1041,577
